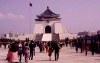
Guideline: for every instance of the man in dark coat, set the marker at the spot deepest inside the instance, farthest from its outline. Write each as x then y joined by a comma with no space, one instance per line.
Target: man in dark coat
56,48
66,42
32,49
93,44
76,44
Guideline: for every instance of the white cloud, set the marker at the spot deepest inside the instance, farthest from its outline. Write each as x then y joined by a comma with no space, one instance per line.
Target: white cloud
14,16
11,16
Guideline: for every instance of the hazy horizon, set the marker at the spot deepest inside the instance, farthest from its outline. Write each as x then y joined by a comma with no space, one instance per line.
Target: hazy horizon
77,15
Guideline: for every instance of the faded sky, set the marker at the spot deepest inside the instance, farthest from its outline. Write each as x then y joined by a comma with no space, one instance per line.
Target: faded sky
77,15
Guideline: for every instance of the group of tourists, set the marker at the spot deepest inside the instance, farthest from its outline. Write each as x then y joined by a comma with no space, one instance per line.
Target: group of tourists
53,46
86,43
4,45
18,50
15,52
4,42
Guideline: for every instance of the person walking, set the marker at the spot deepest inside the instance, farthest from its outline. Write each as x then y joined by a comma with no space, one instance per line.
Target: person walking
46,47
12,55
20,52
66,42
32,50
34,45
26,53
50,50
76,42
86,38
56,48
40,47
93,44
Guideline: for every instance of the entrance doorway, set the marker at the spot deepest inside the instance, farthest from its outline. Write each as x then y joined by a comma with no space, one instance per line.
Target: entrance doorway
48,29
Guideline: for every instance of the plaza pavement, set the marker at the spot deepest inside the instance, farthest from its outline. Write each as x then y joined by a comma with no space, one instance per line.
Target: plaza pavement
67,55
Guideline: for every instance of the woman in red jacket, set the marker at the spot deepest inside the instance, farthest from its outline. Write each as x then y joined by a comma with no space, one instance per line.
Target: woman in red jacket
12,55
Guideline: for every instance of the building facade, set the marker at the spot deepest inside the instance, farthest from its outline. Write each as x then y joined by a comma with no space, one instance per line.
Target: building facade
48,23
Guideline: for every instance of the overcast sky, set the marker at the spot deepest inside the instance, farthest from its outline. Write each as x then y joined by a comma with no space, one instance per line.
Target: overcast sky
77,15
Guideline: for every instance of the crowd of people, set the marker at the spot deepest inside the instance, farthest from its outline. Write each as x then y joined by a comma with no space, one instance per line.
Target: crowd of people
18,50
86,43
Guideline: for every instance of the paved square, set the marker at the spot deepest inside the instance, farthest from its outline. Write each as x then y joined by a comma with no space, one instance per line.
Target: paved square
67,55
